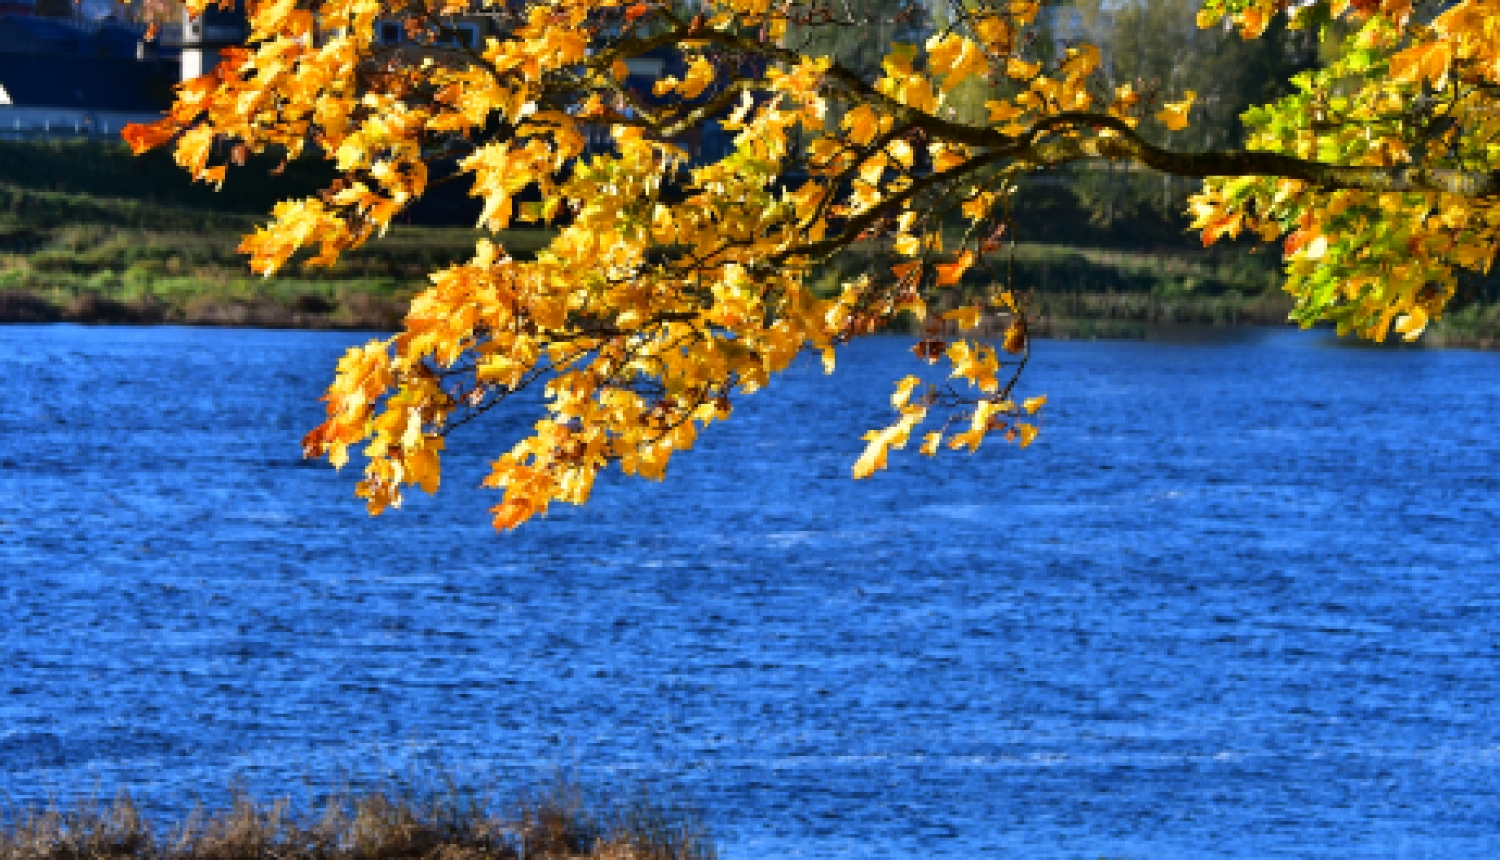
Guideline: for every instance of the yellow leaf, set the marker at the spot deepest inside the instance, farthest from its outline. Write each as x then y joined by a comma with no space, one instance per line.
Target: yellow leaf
908,245
903,391
1175,114
863,124
994,33
1412,324
900,150
1032,404
699,75
1021,70
1428,62
193,149
1003,111
873,458
967,316
1028,433
1081,61
930,444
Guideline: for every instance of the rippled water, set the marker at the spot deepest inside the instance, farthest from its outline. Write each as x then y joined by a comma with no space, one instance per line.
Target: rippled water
1239,600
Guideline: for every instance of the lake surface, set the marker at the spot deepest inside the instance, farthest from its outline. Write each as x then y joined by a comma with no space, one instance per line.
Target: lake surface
1241,599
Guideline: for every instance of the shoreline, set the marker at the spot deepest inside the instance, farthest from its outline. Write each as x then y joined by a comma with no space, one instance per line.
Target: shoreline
358,311
1140,320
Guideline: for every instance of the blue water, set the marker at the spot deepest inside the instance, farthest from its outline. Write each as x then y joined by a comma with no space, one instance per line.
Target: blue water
1241,599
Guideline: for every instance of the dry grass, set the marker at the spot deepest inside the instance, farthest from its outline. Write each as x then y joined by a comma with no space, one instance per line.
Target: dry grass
559,822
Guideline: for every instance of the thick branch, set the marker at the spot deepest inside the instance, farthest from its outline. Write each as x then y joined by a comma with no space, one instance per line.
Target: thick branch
1126,144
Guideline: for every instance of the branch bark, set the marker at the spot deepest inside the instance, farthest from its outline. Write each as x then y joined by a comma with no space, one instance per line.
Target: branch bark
1126,144
1040,145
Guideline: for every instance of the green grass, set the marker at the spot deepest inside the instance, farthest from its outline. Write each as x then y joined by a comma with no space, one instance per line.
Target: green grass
63,247
1475,326
107,169
1072,269
90,232
106,259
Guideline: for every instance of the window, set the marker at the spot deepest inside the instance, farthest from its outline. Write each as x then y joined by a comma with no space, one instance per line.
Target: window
646,67
461,36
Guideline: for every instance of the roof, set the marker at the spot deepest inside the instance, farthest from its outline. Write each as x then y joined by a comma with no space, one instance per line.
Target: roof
87,83
24,34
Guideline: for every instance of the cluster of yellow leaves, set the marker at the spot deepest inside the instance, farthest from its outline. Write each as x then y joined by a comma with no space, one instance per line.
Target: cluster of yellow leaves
1402,95
989,414
1044,95
665,292
668,291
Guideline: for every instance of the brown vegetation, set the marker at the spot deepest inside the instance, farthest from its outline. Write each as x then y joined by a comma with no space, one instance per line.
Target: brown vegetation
559,822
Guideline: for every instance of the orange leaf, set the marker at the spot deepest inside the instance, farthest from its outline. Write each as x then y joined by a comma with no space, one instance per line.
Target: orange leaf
952,273
1015,338
907,272
1293,242
1229,225
511,513
144,137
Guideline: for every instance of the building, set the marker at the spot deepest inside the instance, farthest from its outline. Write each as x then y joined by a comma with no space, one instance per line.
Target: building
60,95
197,41
75,77
77,70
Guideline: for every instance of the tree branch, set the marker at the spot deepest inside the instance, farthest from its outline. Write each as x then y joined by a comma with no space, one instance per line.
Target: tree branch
1126,144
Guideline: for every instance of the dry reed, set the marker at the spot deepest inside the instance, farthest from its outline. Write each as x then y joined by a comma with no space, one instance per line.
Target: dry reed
561,821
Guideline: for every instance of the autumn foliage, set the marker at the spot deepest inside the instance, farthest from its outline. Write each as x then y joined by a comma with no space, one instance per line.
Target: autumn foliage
674,287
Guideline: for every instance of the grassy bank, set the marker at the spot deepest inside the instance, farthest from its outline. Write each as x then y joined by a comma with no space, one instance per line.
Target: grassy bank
70,256
560,821
89,233
65,255
1472,326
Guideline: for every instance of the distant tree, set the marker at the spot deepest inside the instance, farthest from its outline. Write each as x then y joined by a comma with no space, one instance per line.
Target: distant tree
671,290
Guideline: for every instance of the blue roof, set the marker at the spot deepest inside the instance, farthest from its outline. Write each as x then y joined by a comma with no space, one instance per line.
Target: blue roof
29,35
88,83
